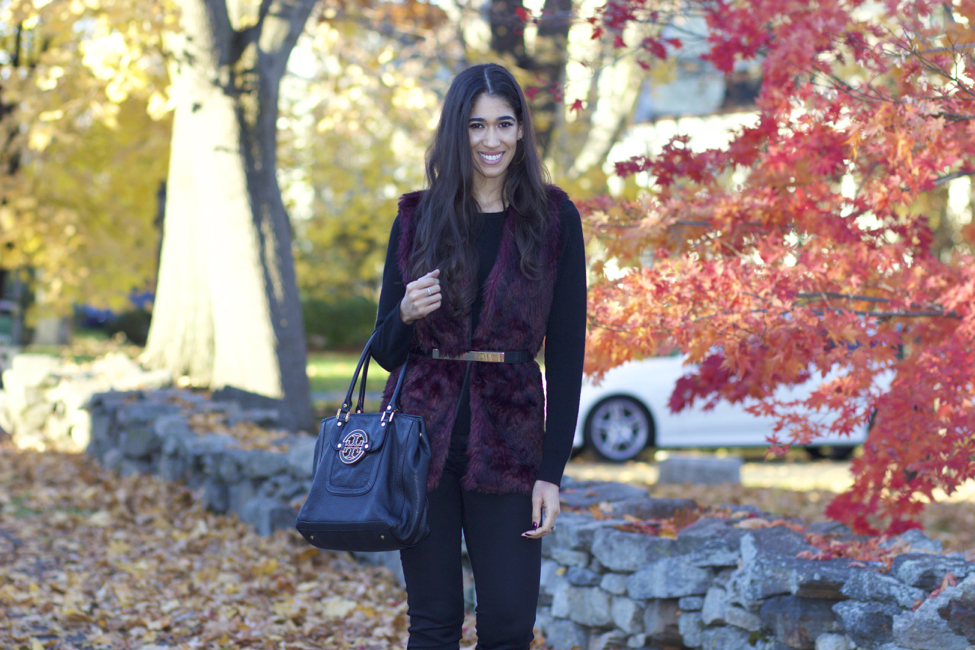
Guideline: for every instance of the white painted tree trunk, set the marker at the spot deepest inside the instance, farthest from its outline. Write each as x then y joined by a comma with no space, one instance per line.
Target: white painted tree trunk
227,310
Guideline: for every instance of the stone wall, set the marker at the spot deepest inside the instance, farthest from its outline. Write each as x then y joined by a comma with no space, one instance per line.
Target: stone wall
734,582
158,432
728,581
43,398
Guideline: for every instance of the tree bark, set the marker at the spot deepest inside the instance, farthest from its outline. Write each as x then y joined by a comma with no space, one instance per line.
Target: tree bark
548,61
227,310
507,31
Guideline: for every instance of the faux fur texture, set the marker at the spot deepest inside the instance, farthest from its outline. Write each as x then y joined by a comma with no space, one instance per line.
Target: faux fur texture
507,403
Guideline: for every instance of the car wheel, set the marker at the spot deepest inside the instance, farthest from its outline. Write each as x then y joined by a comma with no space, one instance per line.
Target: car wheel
833,452
618,428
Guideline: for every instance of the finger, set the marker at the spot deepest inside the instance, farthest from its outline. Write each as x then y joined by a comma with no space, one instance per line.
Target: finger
416,298
548,521
545,523
430,302
428,309
424,299
423,281
536,516
422,284
426,280
430,279
544,529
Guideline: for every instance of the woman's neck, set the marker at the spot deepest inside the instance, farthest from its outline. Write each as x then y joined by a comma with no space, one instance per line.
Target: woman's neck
487,193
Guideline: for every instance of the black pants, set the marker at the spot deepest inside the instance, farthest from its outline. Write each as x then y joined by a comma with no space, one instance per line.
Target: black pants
506,569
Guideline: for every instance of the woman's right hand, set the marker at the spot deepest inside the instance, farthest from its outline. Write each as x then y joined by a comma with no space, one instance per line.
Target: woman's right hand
422,297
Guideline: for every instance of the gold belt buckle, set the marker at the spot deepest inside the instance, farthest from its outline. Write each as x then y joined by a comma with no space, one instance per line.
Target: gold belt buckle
489,357
474,355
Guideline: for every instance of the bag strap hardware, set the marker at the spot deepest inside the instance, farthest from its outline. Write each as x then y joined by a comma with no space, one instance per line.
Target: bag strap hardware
363,367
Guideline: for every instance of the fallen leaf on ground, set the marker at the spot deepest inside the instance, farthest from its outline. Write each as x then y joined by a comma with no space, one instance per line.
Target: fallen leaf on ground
92,560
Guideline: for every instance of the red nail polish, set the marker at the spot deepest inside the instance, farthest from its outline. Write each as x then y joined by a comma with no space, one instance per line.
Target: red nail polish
534,524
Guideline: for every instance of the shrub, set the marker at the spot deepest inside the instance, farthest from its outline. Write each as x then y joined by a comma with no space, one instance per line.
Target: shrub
134,324
339,324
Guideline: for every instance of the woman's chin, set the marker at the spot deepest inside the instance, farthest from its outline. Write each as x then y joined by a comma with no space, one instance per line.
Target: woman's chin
497,171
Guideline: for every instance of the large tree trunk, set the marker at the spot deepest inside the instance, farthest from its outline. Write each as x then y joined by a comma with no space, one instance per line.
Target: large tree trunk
227,310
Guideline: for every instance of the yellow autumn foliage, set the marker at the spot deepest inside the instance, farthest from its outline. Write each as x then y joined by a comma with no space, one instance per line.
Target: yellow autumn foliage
83,159
355,141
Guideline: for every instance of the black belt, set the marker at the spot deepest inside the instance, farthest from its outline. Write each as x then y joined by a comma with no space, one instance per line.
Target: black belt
516,356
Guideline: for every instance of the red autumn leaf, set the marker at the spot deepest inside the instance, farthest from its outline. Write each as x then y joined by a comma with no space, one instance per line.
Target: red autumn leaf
655,47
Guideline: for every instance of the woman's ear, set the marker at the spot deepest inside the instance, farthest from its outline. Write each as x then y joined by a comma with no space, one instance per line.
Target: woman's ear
521,131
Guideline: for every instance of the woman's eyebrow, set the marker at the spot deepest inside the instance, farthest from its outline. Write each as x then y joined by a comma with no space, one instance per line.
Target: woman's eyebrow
500,119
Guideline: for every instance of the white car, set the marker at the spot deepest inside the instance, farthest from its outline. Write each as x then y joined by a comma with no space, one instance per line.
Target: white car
628,411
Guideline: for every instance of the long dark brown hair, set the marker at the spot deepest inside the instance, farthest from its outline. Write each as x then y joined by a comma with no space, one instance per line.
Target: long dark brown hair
447,218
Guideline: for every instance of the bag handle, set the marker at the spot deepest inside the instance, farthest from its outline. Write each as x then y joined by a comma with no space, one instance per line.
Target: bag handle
360,404
363,367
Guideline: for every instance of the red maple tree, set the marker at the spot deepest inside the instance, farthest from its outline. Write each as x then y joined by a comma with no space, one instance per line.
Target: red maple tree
785,275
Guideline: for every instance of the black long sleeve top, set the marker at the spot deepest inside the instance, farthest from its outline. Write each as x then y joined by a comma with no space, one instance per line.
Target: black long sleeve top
564,334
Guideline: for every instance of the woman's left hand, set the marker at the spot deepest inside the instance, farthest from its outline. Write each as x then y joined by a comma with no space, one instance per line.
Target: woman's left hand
545,509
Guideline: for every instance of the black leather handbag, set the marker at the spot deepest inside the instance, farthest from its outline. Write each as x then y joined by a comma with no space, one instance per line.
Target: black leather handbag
369,487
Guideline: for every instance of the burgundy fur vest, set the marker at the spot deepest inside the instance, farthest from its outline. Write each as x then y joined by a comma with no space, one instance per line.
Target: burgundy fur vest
507,403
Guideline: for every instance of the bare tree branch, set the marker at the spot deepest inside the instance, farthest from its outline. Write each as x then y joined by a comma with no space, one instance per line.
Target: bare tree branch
931,313
957,117
952,48
823,295
952,176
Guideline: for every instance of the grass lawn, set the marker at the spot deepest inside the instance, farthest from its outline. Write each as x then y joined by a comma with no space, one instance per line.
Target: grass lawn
327,371
86,346
332,371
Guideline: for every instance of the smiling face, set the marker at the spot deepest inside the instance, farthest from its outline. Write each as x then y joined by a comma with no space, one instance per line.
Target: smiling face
494,132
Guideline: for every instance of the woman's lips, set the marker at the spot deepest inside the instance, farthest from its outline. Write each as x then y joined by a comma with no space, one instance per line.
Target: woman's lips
492,158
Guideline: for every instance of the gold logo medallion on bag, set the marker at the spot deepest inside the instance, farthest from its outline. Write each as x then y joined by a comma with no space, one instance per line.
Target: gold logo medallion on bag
354,446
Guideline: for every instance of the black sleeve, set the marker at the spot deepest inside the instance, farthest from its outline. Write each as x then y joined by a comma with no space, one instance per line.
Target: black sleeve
565,348
394,338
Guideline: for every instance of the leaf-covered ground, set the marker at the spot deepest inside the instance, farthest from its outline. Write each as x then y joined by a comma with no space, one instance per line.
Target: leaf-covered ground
91,560
952,522
799,489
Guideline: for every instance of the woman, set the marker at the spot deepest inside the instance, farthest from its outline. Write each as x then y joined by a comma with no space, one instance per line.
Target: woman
488,259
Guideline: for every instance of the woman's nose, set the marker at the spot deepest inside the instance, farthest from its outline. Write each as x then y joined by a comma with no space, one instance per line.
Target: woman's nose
491,138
